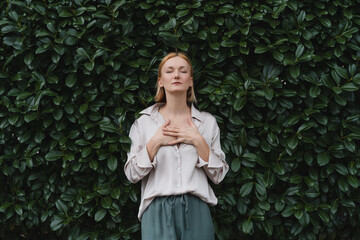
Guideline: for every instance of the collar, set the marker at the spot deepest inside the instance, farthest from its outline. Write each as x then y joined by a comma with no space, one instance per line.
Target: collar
153,111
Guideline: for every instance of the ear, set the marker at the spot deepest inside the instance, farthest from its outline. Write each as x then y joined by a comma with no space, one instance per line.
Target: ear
160,83
191,81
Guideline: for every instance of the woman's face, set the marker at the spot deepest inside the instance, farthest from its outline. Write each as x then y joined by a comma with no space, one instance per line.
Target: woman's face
176,76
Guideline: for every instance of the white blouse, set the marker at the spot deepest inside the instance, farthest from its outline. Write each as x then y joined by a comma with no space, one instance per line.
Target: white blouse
174,170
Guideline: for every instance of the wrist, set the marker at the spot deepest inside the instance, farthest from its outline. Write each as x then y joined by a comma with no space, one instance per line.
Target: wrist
198,140
152,144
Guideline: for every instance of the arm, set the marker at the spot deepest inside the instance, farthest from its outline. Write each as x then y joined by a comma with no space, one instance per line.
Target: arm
215,165
138,164
152,148
211,158
202,148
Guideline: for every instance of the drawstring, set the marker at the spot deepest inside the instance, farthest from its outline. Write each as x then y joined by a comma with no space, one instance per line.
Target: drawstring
169,216
185,203
169,211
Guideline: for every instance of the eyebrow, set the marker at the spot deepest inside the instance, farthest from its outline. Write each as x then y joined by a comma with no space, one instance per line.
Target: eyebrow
173,67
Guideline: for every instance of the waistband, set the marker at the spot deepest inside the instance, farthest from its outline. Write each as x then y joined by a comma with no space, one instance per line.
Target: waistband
169,203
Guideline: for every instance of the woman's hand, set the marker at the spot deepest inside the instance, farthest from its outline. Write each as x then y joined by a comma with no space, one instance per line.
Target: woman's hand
188,135
159,139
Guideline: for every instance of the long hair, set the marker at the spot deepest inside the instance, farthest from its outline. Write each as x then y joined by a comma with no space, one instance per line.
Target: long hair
160,93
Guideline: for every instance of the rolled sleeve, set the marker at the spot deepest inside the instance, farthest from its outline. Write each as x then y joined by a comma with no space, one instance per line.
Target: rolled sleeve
138,164
217,167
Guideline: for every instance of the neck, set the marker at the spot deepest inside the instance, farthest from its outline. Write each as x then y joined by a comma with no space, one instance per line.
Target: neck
176,104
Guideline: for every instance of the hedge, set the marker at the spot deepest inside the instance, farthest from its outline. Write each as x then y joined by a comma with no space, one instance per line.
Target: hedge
281,76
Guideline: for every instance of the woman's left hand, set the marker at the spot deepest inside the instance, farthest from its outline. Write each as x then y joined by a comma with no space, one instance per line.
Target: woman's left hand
188,135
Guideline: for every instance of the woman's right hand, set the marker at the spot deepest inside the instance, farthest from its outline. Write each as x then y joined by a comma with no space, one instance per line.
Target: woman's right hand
160,137
158,140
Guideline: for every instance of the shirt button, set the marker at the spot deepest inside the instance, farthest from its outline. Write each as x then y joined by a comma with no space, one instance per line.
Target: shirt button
178,185
178,169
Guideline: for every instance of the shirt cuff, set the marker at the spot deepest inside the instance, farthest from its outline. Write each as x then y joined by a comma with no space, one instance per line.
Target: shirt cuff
143,160
201,162
215,161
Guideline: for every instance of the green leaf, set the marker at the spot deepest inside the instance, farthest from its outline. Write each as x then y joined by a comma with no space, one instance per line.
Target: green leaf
287,211
269,93
296,178
306,126
299,51
56,224
71,80
342,169
335,76
30,117
314,91
71,40
342,72
278,56
171,23
324,216
279,205
83,108
63,12
182,13
340,100
268,226
298,213
5,206
93,164
58,114
246,189
292,142
323,158
53,155
29,58
247,226
115,193
350,145
18,209
112,162
239,103
260,189
99,215
261,49
353,181
202,35
61,206
106,202
235,164
83,52
350,87
184,46
13,119
325,21
89,65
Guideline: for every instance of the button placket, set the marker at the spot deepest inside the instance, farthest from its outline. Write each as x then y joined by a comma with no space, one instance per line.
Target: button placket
178,169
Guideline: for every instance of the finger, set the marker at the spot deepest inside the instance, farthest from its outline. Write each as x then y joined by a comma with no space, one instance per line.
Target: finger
175,142
172,129
174,134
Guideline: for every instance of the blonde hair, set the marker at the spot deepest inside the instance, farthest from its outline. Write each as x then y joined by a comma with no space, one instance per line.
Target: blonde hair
160,92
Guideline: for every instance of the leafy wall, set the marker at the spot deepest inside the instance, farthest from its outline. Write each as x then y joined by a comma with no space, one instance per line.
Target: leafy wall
281,76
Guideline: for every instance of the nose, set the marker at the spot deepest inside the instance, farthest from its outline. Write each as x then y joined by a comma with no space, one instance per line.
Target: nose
176,73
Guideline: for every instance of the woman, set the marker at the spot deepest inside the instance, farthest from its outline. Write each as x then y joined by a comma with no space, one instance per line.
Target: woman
175,150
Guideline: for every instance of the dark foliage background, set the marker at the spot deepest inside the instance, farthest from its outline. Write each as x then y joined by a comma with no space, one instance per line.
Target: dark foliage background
281,76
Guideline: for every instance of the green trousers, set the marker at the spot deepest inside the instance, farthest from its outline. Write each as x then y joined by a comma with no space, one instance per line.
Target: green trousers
180,217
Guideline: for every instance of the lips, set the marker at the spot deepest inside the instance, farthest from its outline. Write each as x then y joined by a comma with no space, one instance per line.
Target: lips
176,83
